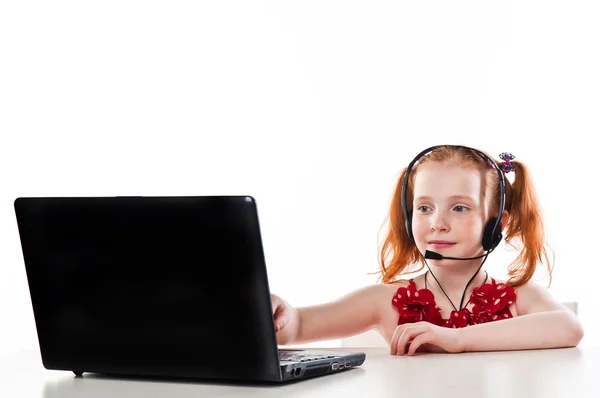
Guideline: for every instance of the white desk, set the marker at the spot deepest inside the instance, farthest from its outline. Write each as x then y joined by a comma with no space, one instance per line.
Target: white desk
573,372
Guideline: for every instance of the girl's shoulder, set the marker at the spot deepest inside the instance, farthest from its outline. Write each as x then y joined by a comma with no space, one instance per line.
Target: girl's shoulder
535,297
383,292
417,281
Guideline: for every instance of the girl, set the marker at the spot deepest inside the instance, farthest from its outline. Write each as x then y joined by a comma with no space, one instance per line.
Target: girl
450,208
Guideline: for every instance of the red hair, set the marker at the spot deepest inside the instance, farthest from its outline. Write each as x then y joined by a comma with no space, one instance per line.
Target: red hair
524,231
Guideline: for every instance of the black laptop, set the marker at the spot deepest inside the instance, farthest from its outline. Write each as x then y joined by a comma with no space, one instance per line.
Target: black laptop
157,286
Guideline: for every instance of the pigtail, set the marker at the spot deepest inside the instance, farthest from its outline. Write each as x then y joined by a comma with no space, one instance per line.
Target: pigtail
397,251
525,224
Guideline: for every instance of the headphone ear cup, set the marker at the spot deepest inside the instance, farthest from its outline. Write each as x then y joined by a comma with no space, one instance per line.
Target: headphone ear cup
409,227
491,238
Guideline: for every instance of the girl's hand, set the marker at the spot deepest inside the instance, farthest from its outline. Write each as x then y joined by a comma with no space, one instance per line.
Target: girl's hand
282,312
425,336
287,320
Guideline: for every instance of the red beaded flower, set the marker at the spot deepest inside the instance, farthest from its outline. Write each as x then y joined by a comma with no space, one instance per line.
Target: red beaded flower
416,305
491,302
458,319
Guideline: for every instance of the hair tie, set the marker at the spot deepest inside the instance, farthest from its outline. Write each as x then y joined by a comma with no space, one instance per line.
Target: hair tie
507,166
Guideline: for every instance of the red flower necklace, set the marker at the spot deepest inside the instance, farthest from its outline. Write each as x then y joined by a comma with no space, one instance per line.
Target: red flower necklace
490,301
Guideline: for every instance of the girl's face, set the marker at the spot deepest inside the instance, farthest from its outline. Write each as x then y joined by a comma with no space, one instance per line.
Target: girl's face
448,210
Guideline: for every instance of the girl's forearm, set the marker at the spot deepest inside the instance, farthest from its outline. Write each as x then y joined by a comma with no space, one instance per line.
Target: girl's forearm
551,329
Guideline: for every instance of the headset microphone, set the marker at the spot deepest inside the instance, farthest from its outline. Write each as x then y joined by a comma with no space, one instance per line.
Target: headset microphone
437,256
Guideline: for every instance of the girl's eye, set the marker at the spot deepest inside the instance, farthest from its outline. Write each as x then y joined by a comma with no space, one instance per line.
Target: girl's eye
422,208
461,209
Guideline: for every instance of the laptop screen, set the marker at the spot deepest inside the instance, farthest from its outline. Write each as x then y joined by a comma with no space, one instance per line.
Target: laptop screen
148,284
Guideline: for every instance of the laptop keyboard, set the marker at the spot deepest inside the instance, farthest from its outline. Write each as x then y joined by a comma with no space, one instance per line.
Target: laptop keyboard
299,356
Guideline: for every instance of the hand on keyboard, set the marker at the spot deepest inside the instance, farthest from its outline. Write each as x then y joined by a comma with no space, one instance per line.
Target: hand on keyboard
286,320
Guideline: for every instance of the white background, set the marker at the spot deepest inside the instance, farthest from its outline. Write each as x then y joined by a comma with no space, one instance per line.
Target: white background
312,107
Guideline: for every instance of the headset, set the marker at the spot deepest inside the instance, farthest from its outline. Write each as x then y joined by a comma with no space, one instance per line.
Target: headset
492,233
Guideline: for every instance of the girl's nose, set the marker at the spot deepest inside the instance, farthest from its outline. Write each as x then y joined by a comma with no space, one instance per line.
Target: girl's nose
438,222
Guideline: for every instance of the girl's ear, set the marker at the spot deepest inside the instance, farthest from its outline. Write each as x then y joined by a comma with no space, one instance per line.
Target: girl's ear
504,220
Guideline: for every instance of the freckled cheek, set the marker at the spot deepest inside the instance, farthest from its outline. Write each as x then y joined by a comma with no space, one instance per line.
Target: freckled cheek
420,229
472,227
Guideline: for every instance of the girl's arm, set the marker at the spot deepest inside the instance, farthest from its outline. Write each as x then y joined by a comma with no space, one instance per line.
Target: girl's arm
542,323
352,314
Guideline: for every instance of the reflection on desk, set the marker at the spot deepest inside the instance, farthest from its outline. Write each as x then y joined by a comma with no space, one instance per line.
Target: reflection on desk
570,372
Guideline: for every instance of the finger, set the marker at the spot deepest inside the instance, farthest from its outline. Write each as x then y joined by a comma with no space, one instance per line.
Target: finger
275,303
407,336
276,310
281,322
403,340
394,340
418,342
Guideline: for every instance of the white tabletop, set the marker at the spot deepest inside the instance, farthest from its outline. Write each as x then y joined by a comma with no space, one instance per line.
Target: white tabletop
572,372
